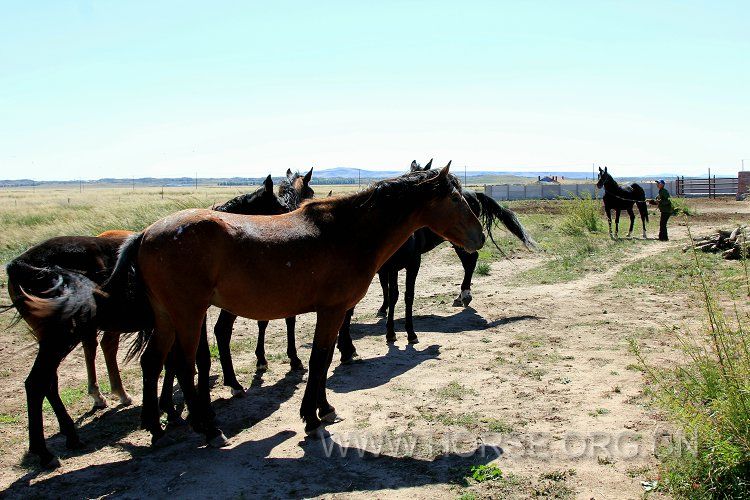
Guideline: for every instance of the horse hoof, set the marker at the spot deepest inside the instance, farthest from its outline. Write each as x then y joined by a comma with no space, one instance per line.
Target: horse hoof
219,441
296,364
261,367
380,314
125,400
52,463
457,302
74,443
351,359
99,403
466,301
319,432
329,417
390,339
238,393
162,441
414,340
174,418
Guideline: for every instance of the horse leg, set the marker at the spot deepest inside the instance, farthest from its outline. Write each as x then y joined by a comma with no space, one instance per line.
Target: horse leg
67,427
609,220
632,222
291,344
261,364
469,263
89,354
166,401
110,346
411,278
37,385
617,223
203,362
159,346
345,344
223,334
390,329
383,278
314,401
201,415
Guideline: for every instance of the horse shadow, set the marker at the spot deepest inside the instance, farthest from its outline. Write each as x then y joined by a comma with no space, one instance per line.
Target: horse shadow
374,372
324,467
465,319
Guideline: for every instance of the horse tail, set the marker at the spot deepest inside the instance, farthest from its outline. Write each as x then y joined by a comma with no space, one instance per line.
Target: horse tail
138,345
125,272
60,296
492,211
640,200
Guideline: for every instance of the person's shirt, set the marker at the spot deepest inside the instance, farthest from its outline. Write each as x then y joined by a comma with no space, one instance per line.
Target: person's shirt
665,203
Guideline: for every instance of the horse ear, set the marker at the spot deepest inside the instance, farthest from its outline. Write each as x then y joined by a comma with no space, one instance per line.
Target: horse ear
289,173
600,169
330,193
445,171
268,184
605,170
429,165
308,176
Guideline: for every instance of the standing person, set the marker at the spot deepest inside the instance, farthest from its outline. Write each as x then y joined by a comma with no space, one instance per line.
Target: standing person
665,208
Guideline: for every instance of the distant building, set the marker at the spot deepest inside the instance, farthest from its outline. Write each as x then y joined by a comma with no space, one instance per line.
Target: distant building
548,179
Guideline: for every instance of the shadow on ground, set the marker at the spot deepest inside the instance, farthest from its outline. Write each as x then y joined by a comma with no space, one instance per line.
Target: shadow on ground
322,467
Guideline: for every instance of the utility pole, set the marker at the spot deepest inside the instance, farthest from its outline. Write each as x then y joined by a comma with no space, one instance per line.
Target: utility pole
359,179
196,181
593,172
464,174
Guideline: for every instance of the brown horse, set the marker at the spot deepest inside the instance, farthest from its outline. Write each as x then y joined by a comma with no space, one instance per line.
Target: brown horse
319,258
40,285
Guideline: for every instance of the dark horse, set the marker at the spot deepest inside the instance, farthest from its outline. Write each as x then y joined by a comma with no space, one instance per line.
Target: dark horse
622,198
63,274
409,257
292,191
319,258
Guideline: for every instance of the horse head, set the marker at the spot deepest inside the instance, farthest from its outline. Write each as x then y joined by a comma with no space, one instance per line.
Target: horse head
449,215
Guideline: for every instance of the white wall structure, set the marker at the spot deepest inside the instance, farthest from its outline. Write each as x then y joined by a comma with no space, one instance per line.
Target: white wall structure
510,192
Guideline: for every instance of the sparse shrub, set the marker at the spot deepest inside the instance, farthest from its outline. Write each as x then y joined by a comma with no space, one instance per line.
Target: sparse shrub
483,269
582,214
709,397
680,206
482,473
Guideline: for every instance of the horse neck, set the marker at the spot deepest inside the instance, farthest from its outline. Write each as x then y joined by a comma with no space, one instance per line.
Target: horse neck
427,239
611,185
380,227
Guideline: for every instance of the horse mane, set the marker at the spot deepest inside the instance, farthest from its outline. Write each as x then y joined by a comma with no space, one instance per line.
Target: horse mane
397,188
287,194
239,201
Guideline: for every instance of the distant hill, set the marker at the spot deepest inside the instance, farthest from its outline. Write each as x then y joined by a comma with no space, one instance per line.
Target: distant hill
338,175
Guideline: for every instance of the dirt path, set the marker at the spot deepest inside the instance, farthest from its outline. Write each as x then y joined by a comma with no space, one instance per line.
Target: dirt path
536,379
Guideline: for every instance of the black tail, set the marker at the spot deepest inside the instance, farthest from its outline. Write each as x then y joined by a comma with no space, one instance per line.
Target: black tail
640,201
492,211
50,295
138,345
123,279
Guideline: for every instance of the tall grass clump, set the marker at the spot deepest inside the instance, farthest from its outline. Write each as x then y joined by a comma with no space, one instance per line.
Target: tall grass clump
709,397
680,206
582,214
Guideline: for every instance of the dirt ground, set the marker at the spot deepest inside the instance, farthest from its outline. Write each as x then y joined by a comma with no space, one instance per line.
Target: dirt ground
536,379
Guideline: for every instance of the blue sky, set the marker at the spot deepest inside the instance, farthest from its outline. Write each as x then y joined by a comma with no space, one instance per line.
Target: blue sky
114,89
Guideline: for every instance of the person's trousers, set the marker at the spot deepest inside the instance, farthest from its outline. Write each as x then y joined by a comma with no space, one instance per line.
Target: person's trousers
663,226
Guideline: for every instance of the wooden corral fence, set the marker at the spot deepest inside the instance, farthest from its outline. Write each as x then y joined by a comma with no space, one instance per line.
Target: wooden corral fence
708,186
509,192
